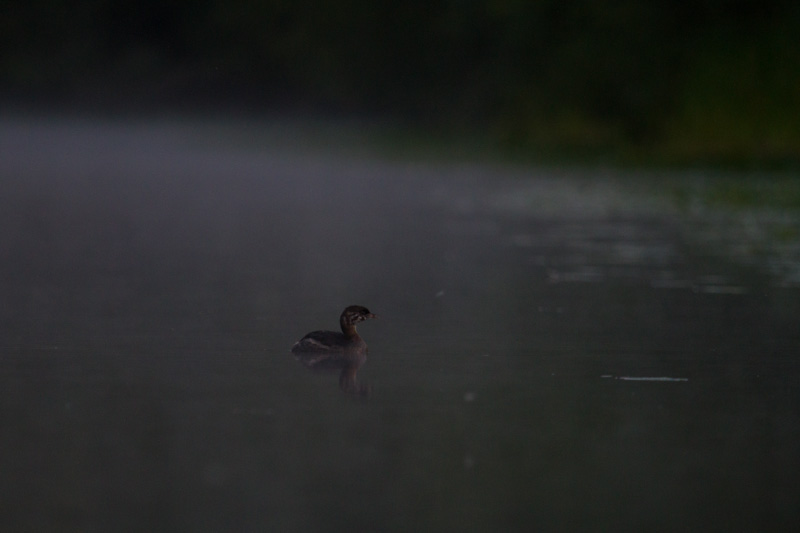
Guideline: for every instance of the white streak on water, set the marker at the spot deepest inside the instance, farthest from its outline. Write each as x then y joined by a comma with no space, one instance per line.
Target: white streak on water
638,378
723,289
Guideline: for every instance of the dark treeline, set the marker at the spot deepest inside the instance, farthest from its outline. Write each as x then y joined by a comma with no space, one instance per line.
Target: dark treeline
706,76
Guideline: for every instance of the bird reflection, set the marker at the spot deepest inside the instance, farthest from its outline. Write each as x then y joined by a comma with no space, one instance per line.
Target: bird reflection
347,363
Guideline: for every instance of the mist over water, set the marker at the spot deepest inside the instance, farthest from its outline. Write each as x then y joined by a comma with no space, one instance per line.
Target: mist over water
557,348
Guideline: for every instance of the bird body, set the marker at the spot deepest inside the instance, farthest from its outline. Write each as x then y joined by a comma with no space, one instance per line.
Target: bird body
348,341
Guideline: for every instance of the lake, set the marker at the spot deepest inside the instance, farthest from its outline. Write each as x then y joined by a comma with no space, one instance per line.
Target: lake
558,348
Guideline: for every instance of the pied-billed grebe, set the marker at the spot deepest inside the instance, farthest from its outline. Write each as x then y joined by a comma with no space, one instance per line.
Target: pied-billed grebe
348,341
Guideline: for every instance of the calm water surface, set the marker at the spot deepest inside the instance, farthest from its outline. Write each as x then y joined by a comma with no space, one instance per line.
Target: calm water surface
557,350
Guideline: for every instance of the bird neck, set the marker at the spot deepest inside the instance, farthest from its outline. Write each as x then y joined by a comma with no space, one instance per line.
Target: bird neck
349,330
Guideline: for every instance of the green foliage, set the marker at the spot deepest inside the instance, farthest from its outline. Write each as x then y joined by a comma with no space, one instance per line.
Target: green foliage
686,80
741,97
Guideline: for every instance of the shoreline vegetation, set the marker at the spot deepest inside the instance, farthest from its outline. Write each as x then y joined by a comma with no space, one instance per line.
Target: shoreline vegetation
703,83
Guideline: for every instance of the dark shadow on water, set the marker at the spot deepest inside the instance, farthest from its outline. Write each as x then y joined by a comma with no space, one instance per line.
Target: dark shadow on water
346,364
